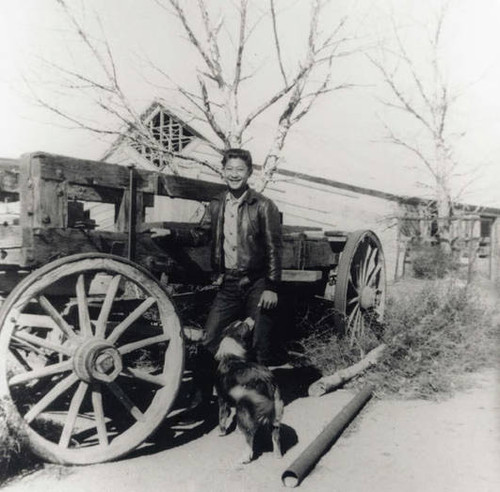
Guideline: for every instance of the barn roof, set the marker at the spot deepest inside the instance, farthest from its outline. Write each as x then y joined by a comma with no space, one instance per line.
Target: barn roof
293,156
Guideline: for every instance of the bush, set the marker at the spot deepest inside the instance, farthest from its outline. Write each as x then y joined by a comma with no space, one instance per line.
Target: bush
321,342
13,453
431,262
435,335
435,332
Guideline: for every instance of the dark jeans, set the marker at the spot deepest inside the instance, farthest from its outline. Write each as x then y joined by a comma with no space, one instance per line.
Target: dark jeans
237,299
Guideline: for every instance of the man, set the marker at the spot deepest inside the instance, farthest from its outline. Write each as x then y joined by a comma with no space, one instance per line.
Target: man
245,232
246,250
244,228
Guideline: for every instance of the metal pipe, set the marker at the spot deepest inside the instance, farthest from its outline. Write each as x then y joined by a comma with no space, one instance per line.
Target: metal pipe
132,214
299,469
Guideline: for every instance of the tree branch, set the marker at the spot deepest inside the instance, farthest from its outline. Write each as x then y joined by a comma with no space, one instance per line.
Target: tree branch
277,43
209,114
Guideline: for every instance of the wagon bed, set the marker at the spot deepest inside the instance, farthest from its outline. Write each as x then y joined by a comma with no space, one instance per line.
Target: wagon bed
91,347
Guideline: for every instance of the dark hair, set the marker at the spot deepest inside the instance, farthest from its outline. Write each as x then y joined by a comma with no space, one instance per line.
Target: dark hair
242,154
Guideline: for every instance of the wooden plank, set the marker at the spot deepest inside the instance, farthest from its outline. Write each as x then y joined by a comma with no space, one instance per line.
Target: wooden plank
301,275
318,254
9,278
185,264
90,173
10,237
36,320
11,256
96,194
43,203
299,253
193,189
289,228
172,225
9,179
123,212
101,174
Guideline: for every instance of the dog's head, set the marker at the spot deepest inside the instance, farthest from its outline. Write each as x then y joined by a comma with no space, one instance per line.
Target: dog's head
237,338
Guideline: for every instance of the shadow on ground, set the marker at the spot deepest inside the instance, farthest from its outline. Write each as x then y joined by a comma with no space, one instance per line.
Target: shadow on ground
189,425
294,382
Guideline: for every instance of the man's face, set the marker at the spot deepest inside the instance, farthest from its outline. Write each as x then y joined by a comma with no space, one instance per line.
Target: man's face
236,174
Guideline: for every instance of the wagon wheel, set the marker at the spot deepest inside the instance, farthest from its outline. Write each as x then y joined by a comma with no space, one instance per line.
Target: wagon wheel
360,289
92,374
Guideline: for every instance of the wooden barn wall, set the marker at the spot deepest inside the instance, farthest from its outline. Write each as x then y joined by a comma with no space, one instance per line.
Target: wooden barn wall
300,201
315,205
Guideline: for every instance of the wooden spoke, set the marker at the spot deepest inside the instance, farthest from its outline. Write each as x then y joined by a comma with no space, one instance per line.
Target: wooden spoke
74,408
379,308
54,393
355,327
351,282
356,275
24,345
20,359
83,308
106,306
353,300
358,322
56,317
374,273
366,262
126,401
36,321
100,420
41,342
353,314
144,376
362,254
41,373
372,261
131,318
45,333
130,347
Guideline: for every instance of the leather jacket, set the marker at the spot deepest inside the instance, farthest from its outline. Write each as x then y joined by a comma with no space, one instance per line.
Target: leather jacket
259,241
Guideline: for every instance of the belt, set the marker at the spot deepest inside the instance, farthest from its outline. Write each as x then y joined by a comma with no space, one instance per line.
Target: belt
235,273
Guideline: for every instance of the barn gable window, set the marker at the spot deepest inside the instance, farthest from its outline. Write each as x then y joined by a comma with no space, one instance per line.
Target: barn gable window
167,131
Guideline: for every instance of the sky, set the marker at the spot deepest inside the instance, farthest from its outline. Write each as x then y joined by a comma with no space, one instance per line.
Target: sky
341,138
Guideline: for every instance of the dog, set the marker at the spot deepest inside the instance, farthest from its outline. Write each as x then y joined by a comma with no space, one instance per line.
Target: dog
247,388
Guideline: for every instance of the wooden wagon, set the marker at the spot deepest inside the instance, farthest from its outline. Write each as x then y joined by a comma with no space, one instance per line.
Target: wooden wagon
91,345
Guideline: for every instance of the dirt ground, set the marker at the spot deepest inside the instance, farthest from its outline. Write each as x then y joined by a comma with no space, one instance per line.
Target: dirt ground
392,445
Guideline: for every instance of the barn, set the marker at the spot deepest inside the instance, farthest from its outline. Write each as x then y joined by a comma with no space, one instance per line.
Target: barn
305,199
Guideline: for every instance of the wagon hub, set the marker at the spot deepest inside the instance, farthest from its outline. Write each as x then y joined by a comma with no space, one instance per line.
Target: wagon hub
368,297
97,360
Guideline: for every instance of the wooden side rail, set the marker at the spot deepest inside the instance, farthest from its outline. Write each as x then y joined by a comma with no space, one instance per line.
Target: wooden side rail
99,181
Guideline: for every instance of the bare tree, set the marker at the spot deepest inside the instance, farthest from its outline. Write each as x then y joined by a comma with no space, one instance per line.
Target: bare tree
422,92
218,96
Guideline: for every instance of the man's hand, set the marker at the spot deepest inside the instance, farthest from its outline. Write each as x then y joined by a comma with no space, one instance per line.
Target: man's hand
157,233
268,300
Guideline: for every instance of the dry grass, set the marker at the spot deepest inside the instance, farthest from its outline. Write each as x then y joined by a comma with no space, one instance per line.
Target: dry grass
436,332
15,457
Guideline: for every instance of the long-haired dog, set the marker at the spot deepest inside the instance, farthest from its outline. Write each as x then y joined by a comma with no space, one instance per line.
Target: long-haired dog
247,387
